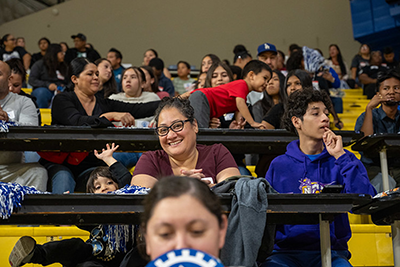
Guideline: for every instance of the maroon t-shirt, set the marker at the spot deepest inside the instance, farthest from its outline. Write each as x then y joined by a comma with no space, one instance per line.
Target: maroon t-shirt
212,159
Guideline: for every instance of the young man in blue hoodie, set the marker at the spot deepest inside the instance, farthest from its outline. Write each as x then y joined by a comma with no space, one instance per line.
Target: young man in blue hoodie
315,160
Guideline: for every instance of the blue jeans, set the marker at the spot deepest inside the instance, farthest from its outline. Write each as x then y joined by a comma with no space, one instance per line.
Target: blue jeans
128,159
43,96
244,171
61,178
305,258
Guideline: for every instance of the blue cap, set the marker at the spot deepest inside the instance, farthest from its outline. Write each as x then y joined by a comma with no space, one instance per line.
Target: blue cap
266,47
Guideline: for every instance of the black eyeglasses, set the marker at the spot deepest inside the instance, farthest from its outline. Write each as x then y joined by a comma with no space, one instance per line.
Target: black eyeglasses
175,127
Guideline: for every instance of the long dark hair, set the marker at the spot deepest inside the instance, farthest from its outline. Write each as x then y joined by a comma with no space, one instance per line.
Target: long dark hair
211,70
76,67
154,86
51,63
339,59
109,87
294,61
214,59
3,40
17,67
267,102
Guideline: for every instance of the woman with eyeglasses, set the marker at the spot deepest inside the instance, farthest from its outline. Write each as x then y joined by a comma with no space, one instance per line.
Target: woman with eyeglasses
180,154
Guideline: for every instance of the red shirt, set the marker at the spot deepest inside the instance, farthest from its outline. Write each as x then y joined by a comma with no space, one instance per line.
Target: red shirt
222,99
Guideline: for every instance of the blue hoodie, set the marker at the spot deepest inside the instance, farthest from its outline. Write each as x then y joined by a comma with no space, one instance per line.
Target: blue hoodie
294,172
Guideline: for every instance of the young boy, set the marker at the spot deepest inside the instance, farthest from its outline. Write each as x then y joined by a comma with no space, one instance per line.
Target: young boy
384,119
183,83
231,97
315,160
71,252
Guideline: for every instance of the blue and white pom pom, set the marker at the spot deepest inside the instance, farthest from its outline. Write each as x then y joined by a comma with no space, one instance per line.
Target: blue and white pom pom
12,195
185,257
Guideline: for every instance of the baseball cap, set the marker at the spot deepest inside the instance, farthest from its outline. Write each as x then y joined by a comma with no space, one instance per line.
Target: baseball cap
265,47
80,36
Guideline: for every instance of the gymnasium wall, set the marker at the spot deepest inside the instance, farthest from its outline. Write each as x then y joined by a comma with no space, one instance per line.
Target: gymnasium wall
187,29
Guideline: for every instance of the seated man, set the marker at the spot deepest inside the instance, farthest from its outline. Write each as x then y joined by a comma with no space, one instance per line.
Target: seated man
315,160
385,119
19,109
368,74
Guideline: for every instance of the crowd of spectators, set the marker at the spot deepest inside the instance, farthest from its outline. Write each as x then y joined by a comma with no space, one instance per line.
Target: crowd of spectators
271,91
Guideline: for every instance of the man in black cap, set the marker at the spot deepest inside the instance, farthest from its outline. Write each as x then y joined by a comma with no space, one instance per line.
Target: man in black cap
80,50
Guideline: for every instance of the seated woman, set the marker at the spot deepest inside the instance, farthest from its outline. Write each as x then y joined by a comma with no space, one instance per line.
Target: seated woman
82,106
272,95
108,85
133,83
180,155
181,212
295,80
149,55
48,75
151,84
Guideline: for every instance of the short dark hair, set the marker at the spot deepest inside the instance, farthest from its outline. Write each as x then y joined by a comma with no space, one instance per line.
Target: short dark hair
17,67
182,105
236,70
294,47
44,38
384,75
99,171
297,105
388,50
157,63
117,53
255,66
183,62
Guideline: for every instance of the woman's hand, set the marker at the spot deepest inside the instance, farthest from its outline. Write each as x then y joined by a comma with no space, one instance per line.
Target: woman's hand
194,173
333,143
124,117
106,154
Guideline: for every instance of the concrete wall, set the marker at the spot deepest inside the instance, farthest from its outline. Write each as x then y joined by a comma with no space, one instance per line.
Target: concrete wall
187,29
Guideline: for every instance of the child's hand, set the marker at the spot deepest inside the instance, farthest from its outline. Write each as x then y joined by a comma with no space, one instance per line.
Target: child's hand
258,125
106,154
333,143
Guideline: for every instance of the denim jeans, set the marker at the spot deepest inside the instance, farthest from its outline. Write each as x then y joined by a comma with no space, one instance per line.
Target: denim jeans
43,96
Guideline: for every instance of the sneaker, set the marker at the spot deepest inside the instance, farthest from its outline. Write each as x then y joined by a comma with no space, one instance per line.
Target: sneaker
22,252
